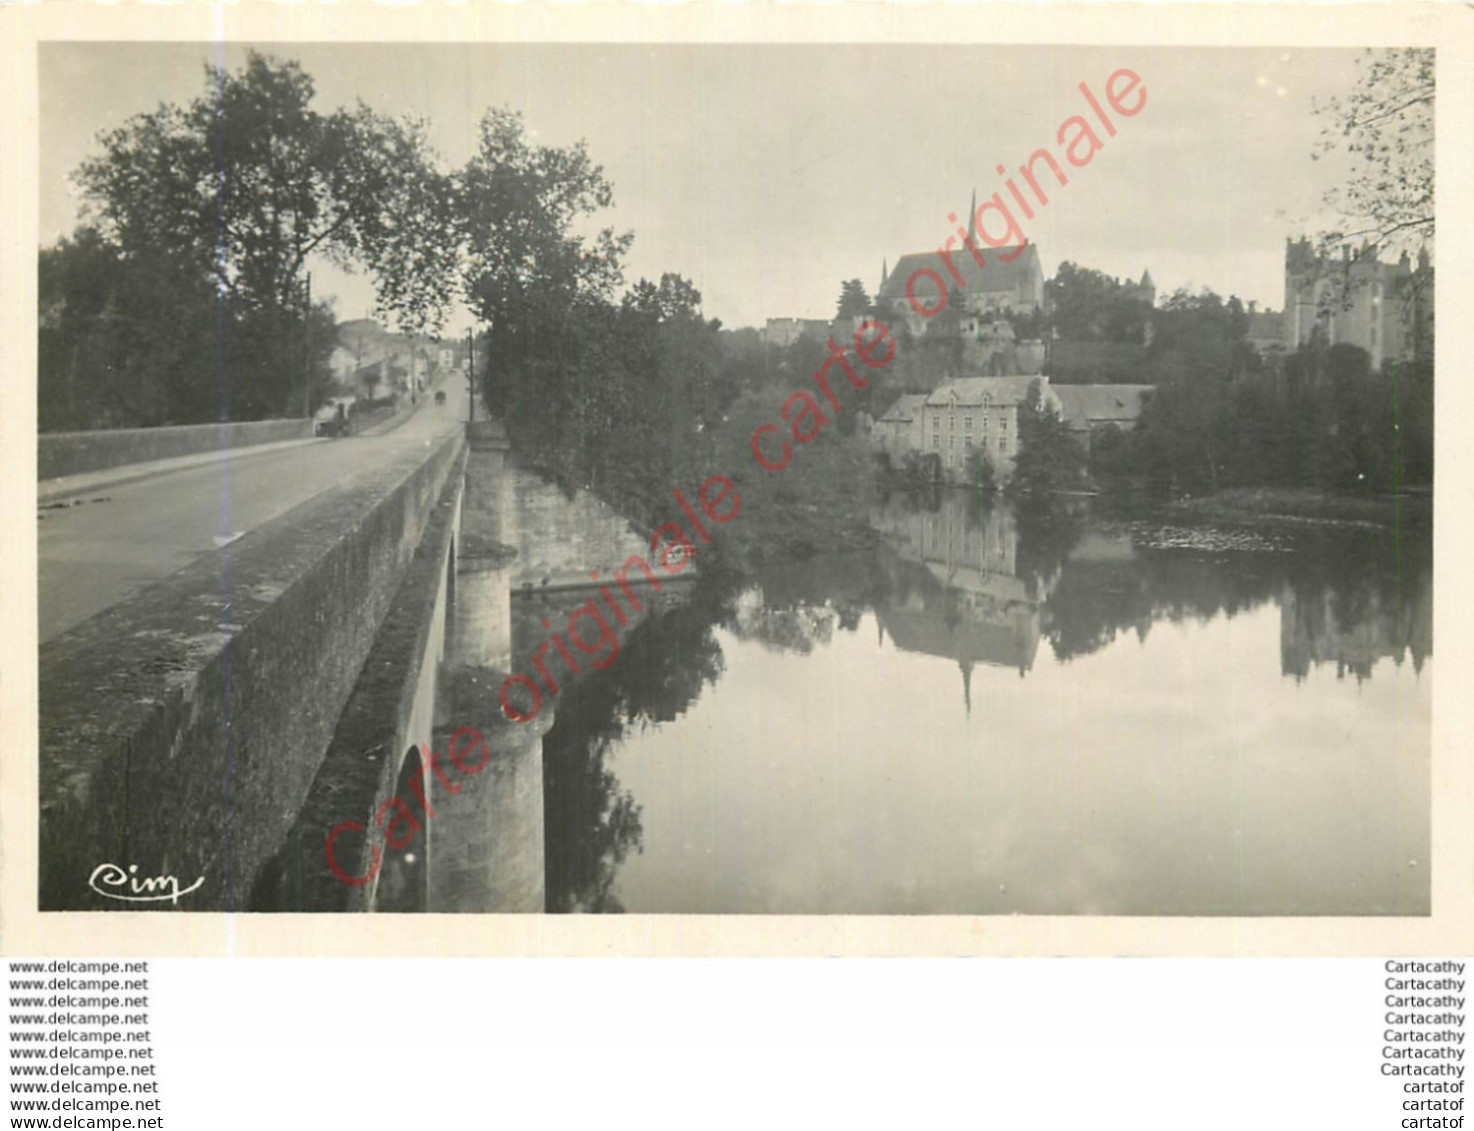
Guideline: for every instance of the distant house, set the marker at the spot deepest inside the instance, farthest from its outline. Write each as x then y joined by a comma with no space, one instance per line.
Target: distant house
372,357
364,338
1086,409
451,356
342,363
898,430
374,382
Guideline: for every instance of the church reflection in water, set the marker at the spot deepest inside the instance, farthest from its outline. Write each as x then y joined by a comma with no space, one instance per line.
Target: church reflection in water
956,587
980,586
973,582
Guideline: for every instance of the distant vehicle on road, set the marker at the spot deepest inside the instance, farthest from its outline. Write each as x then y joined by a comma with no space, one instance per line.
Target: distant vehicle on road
335,417
440,396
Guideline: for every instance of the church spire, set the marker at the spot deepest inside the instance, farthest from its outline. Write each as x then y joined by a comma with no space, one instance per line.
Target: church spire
885,273
966,666
972,218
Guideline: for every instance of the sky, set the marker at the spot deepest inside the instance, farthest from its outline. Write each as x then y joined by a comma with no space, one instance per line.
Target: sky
768,174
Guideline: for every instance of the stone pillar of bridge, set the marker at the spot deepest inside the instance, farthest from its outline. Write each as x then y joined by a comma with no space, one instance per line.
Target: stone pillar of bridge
486,838
486,835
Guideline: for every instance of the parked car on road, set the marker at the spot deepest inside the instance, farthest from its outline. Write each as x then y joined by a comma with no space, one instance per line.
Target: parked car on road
334,418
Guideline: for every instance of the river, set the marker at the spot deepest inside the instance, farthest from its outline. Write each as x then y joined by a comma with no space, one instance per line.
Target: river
997,713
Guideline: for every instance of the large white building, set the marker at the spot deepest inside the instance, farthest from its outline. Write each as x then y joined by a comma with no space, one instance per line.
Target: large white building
979,415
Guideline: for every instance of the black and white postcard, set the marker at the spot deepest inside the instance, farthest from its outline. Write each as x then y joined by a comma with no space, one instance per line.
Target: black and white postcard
747,485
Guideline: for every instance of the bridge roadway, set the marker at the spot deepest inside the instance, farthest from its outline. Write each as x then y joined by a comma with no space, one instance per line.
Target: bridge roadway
94,554
371,617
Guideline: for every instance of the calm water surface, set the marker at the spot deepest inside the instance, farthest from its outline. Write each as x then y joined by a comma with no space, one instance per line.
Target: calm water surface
993,715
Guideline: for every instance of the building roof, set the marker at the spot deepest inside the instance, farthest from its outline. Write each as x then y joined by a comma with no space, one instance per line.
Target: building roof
1084,405
905,409
996,274
1001,391
1008,639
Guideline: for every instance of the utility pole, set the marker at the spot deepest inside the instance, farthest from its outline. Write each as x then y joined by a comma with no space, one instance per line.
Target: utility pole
307,349
471,371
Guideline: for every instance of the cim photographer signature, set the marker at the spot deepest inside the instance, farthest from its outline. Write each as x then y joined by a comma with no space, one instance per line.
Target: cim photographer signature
112,881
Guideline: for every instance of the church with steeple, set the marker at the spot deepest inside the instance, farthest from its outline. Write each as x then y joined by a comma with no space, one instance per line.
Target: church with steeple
1009,279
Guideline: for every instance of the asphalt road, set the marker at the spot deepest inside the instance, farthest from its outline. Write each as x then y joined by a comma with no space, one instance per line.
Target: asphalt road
94,554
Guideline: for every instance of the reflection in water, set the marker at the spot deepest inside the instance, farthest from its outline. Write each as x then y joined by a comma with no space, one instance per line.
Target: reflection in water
1117,734
593,823
956,588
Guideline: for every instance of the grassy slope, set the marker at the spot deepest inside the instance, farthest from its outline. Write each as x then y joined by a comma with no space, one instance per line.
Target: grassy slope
1297,505
820,502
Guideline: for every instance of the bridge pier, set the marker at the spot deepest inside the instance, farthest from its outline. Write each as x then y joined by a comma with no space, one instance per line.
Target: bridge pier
486,838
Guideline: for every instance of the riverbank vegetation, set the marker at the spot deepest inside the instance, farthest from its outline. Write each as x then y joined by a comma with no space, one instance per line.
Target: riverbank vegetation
1319,420
1293,506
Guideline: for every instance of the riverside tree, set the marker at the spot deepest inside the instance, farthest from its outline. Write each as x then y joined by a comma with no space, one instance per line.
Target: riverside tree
1386,127
597,387
543,287
231,197
1048,459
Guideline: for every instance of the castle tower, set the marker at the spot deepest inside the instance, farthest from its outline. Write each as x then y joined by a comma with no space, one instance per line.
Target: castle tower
1300,310
1147,289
